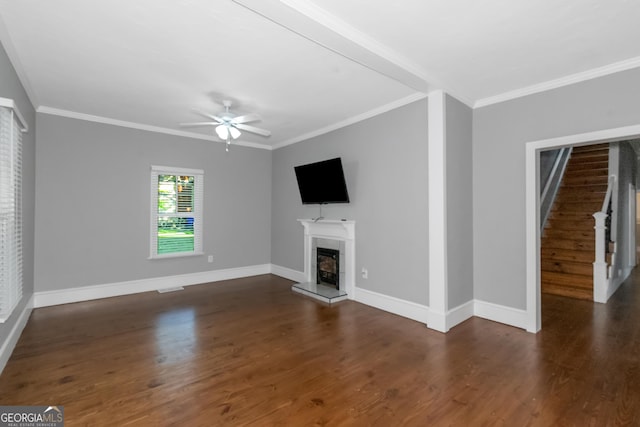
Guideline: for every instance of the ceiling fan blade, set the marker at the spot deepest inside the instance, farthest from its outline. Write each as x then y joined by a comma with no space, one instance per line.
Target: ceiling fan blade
200,124
246,118
253,129
209,116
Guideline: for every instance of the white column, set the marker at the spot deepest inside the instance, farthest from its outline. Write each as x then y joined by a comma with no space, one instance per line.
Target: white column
438,300
532,219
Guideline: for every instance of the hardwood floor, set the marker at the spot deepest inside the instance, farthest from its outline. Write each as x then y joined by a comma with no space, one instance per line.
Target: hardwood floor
251,352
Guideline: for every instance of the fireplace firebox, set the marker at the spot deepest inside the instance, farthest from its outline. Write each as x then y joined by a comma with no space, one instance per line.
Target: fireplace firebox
328,267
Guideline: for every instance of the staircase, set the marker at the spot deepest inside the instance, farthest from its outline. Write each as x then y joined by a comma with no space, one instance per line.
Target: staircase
568,239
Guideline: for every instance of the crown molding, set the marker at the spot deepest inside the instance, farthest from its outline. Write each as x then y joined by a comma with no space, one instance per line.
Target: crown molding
139,126
606,70
352,120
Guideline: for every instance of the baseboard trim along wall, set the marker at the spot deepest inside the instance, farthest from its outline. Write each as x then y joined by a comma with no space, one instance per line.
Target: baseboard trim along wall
418,312
287,273
459,314
86,293
411,310
13,337
421,313
500,313
444,322
408,309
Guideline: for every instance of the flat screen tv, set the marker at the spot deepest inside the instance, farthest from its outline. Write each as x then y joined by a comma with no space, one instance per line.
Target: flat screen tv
322,182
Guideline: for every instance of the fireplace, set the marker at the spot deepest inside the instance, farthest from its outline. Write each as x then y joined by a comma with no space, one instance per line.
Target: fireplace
328,276
328,267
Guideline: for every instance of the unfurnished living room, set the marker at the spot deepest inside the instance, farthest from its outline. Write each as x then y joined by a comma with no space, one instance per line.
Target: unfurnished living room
264,212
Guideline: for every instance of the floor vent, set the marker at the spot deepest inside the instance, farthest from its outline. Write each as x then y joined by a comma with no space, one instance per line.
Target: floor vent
164,291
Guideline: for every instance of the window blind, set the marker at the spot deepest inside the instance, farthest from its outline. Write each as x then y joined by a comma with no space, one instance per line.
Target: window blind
10,211
176,211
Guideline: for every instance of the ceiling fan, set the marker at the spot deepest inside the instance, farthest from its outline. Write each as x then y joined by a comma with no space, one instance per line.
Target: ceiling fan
228,125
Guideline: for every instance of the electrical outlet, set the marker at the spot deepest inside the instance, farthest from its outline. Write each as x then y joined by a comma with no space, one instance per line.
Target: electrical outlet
210,258
365,273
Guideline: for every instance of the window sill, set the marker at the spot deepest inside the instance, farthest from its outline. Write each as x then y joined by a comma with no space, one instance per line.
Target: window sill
175,255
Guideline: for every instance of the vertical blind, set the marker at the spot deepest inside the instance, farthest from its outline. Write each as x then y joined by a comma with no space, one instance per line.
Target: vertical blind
10,211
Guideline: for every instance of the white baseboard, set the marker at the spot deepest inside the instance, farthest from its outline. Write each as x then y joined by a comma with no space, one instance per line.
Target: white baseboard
442,322
411,310
459,314
437,321
500,313
86,293
14,335
288,273
408,309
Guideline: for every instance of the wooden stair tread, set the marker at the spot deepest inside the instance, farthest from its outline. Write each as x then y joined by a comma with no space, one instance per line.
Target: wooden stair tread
574,280
601,188
576,245
592,164
588,158
558,233
595,170
567,255
568,267
577,181
582,205
591,196
566,225
571,216
567,291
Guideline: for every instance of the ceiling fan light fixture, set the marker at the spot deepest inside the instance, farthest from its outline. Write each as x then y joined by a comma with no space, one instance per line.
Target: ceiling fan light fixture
222,131
235,133
225,131
228,125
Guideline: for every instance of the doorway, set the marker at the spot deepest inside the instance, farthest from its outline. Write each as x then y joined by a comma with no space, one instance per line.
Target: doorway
532,207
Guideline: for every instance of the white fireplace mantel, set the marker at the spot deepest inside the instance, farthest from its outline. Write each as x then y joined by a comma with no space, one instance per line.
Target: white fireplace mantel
334,230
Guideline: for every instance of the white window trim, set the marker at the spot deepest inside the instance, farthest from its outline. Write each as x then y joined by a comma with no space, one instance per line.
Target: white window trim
10,103
12,264
198,175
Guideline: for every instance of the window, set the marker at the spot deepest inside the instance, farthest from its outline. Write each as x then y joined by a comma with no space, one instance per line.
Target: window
11,128
176,211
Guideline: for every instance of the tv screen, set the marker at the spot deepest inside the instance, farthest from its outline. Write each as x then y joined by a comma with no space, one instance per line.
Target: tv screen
322,182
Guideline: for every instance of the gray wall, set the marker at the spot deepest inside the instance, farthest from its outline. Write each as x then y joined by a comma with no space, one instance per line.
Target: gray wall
10,87
93,198
385,162
459,129
500,132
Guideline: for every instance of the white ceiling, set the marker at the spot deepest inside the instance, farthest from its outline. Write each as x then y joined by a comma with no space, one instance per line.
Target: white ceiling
305,67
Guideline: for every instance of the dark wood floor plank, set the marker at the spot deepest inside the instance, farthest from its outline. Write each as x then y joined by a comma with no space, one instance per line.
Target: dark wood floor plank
251,352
